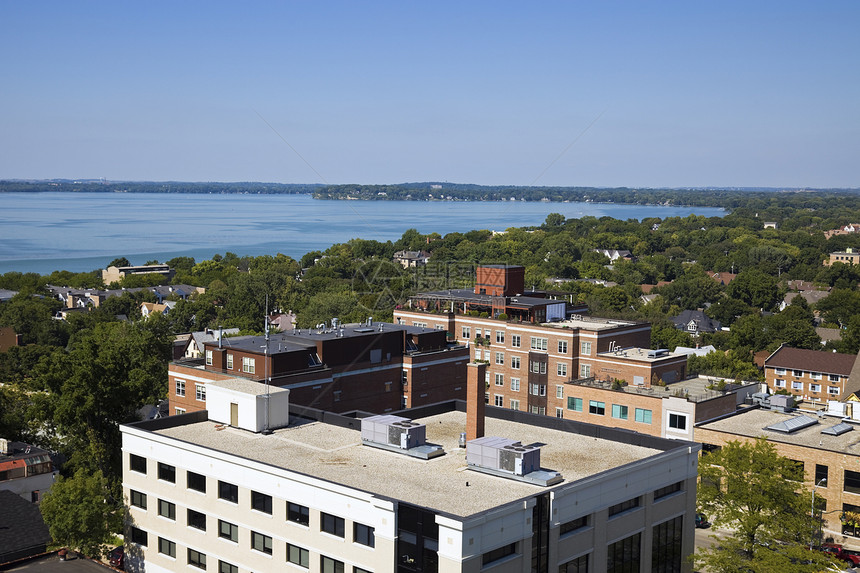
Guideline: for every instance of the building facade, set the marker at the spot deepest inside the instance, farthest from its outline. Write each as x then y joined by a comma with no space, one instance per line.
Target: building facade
374,367
25,470
316,496
812,375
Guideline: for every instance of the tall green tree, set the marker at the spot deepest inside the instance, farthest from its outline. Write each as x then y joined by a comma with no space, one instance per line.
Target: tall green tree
81,513
748,488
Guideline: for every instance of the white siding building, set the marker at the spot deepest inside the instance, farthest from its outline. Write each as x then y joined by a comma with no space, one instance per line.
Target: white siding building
311,497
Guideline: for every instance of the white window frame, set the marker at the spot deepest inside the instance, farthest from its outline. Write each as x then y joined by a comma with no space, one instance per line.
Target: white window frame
585,348
833,390
678,415
515,404
559,391
779,383
562,346
796,385
538,343
833,377
229,361
815,387
249,365
466,332
500,379
500,336
499,400
779,371
208,354
561,369
815,375
515,362
516,341
585,370
500,358
200,392
180,387
515,384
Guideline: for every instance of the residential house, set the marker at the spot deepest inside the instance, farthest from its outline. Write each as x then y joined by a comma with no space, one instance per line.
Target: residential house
615,254
9,338
411,259
695,322
25,470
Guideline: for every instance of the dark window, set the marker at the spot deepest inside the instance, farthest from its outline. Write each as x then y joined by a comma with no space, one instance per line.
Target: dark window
228,530
196,559
138,499
852,482
137,463
261,502
224,567
330,565
710,449
678,421
228,491
139,536
298,555
821,474
623,556
359,570
623,506
166,509
595,407
332,524
166,547
500,553
666,546
261,542
196,519
298,513
668,490
573,525
578,565
363,534
196,482
166,472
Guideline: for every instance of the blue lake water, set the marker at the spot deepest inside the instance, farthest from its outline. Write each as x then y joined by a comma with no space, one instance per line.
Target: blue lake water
43,232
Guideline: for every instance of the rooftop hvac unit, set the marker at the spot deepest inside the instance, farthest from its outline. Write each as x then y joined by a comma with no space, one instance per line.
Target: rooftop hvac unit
395,431
782,402
503,454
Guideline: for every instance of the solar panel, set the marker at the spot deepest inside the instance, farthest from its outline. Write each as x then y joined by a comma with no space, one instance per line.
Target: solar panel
793,424
838,429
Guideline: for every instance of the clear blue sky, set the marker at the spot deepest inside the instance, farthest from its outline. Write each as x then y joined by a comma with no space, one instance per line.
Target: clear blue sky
675,93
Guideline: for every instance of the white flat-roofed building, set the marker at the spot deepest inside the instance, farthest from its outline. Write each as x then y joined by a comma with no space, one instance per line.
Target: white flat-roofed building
312,497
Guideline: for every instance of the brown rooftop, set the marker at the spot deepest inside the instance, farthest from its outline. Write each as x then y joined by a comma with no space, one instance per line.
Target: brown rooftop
811,360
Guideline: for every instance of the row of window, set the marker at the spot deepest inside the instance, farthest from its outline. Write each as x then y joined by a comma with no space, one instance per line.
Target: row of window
261,502
619,411
813,375
813,387
199,390
535,342
249,365
259,542
623,556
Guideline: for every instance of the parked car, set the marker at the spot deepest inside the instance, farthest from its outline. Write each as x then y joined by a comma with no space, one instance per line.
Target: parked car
702,521
117,558
848,555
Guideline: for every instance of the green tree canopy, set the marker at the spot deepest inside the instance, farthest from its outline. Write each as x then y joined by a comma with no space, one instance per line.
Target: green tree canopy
81,513
750,489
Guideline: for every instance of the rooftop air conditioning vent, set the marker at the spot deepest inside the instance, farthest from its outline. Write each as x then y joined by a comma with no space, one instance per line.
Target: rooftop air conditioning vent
508,458
398,434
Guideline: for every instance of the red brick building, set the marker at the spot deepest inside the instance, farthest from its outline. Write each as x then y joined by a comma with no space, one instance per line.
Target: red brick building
375,367
812,375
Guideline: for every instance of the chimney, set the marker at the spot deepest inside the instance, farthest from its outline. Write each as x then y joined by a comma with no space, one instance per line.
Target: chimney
476,387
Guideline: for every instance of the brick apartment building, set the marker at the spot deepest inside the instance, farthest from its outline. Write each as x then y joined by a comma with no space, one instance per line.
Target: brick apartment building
812,375
822,443
375,367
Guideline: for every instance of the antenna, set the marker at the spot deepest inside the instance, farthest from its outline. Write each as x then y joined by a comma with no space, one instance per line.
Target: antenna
266,431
